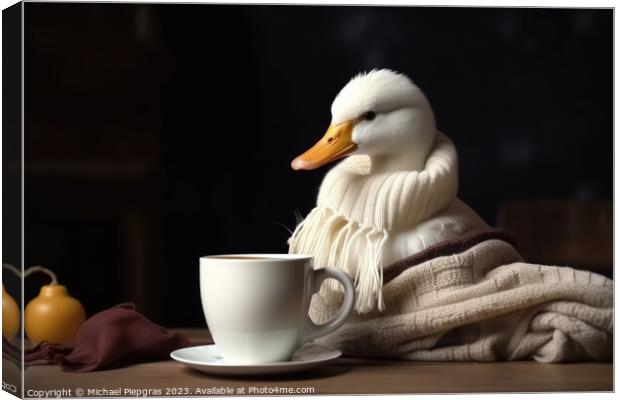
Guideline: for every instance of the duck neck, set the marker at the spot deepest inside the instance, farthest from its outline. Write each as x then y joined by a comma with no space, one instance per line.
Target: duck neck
412,158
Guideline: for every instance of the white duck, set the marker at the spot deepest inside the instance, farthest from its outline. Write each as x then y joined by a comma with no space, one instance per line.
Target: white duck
393,196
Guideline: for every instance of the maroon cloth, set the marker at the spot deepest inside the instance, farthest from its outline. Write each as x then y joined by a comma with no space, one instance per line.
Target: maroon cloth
11,352
112,338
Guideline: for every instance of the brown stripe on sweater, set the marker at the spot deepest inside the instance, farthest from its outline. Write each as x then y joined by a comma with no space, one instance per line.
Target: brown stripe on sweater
447,248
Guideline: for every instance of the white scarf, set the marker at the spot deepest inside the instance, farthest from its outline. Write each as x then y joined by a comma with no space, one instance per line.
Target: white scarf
357,211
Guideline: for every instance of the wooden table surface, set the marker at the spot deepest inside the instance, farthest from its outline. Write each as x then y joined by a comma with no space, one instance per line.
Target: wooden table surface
342,376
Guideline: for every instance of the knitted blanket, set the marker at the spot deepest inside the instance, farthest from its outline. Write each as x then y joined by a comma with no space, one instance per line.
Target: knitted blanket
474,299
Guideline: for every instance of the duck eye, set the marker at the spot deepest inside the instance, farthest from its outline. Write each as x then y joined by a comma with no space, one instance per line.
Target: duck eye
369,115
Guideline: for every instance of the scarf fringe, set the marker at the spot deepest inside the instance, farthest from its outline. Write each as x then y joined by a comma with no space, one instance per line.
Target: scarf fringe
332,240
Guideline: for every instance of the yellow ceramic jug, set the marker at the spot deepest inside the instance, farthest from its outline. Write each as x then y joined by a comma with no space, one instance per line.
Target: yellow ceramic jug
53,316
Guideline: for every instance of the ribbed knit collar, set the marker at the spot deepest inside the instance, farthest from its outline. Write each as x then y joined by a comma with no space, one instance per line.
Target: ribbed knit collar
392,200
357,211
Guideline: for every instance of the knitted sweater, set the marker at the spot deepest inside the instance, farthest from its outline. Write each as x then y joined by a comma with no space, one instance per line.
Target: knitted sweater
474,299
363,216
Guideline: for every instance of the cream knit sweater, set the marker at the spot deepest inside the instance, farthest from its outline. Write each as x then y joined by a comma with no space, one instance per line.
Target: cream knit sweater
474,299
359,211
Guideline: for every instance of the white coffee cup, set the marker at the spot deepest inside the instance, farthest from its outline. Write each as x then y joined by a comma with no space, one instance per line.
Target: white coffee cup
256,305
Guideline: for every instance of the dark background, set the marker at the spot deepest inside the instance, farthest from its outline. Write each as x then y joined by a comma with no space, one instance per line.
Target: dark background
158,134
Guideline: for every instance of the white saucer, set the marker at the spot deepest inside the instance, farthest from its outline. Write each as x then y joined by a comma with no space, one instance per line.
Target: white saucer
208,359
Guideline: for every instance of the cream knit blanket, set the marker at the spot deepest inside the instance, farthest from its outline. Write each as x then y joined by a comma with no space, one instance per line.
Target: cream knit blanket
473,299
357,211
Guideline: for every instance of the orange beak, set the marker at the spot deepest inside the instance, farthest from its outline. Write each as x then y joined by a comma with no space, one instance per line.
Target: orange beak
335,144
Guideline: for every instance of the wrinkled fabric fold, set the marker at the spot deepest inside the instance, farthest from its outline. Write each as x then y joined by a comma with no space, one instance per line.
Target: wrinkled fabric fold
113,338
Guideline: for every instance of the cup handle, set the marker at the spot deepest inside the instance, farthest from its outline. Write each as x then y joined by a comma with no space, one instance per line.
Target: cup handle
313,330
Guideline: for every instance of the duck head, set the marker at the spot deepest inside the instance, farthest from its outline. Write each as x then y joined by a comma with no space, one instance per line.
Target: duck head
380,114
